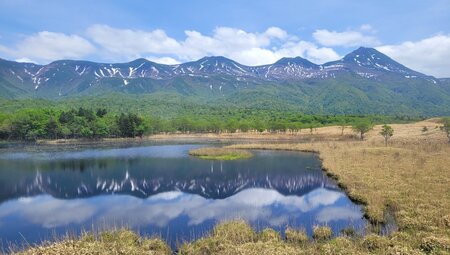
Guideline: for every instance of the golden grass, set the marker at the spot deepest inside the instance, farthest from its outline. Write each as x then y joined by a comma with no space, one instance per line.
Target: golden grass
220,153
238,238
115,242
410,178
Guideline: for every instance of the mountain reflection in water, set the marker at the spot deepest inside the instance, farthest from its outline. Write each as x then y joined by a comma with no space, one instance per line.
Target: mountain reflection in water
160,189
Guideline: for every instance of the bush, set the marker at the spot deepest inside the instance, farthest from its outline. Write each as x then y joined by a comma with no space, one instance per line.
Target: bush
322,233
156,245
269,235
296,236
374,242
431,244
350,232
236,232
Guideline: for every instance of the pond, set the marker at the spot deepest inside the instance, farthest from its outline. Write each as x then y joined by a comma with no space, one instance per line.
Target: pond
161,190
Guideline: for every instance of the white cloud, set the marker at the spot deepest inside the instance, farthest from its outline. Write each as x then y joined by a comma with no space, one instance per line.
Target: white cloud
237,44
25,60
307,50
335,213
116,45
347,38
132,43
430,56
164,60
254,205
366,27
49,46
49,212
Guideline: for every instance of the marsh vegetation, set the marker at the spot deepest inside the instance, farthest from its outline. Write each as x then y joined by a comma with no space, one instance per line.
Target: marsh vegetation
220,153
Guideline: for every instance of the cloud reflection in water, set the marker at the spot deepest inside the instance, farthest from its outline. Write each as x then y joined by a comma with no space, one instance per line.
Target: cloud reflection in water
253,205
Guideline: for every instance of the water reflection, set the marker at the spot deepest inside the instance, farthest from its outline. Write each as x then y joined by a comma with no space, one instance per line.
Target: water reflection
159,189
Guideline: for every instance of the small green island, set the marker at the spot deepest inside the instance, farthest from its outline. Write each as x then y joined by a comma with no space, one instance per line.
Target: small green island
221,153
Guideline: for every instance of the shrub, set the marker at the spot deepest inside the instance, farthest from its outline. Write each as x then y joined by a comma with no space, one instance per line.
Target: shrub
350,232
269,235
431,244
446,220
322,233
374,242
296,236
157,245
236,232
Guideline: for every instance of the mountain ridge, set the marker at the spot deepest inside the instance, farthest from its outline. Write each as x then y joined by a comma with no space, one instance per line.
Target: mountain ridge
363,80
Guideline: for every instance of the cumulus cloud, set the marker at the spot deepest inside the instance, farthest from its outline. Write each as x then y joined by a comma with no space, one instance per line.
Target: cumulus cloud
48,46
132,43
254,205
430,55
307,50
164,60
116,44
335,213
24,60
245,47
348,38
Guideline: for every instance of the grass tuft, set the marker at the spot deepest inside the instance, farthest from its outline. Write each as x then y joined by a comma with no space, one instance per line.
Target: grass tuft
296,236
220,153
269,235
373,242
109,242
322,233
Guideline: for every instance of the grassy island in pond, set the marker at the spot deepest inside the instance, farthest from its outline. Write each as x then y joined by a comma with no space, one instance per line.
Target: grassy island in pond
220,153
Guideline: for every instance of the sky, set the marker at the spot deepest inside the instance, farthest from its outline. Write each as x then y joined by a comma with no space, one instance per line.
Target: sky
415,33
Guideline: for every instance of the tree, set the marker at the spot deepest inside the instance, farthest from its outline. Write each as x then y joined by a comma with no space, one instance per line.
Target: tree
362,128
130,125
387,132
258,126
100,128
101,112
231,125
446,127
311,129
244,126
342,126
52,128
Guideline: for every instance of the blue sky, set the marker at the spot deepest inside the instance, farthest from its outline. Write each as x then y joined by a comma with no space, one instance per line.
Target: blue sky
416,33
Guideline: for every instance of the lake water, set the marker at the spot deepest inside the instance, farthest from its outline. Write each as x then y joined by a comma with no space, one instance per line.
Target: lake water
161,190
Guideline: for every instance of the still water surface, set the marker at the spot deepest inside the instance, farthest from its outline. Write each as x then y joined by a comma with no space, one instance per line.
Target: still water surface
162,190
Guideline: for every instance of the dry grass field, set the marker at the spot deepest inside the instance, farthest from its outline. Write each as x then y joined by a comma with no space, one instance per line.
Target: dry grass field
408,182
409,179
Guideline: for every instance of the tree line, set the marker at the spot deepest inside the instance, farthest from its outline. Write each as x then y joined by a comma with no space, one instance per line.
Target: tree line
33,124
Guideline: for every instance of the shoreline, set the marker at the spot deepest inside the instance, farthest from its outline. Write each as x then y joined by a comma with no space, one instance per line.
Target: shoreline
329,133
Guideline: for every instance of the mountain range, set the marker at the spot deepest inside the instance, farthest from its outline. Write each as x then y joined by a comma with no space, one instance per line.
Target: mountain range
364,81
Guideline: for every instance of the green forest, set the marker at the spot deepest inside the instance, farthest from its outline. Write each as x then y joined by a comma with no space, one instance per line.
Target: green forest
30,124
